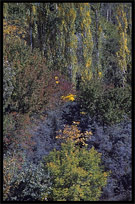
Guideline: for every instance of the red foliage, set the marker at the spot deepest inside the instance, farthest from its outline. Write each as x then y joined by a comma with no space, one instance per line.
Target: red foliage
58,86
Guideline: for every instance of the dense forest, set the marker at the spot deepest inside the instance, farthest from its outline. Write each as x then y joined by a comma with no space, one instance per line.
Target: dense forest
67,101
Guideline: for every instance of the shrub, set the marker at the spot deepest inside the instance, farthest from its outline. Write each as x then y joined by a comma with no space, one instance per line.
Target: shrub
108,104
58,88
30,75
11,168
114,142
16,132
8,84
75,174
23,181
72,133
30,84
35,87
89,96
8,129
116,104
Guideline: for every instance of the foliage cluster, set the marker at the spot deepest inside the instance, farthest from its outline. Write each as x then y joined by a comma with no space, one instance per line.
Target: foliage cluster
34,86
72,133
107,103
76,174
8,84
116,157
58,89
23,181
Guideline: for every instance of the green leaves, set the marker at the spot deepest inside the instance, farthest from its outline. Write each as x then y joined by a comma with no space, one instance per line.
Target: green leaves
107,103
76,173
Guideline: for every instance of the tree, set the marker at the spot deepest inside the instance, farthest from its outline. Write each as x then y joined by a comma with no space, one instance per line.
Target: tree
123,53
76,174
98,38
87,42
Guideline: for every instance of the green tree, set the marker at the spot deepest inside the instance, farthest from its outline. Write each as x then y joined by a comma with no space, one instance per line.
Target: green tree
76,174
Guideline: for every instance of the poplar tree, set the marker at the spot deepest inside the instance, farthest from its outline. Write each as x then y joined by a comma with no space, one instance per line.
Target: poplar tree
87,42
98,38
123,53
67,39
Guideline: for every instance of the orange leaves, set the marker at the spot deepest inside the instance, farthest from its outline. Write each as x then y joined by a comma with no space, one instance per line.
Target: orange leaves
72,133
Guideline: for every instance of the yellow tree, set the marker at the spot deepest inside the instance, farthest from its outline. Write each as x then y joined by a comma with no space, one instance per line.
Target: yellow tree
85,21
123,53
67,39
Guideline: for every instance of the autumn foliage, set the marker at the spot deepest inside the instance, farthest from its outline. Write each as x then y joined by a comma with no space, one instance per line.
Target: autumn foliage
73,134
76,174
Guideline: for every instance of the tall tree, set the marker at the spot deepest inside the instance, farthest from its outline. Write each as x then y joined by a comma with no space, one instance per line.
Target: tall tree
87,42
98,38
123,53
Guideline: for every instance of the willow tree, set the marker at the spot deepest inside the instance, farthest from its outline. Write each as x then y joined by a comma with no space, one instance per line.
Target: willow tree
123,52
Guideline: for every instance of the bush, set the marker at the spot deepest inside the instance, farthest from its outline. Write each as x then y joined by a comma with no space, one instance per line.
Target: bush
76,174
108,104
16,132
116,104
11,171
89,96
114,142
23,181
8,84
35,87
72,133
30,84
58,86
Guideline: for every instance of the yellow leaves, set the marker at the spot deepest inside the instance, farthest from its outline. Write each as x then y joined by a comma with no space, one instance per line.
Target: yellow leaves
12,31
83,113
51,165
76,123
123,52
99,74
84,21
56,77
34,9
88,14
99,28
57,81
86,75
70,97
72,13
88,133
72,133
81,8
105,174
63,22
88,64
